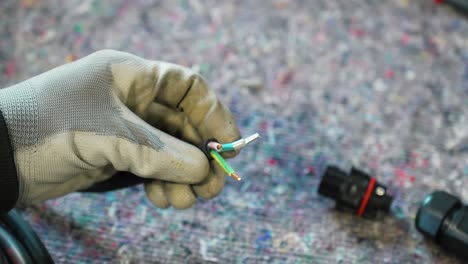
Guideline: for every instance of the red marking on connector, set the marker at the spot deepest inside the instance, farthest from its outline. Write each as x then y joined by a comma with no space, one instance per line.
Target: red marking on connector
438,1
367,196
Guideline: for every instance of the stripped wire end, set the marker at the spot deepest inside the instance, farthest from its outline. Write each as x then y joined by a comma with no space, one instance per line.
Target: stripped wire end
239,144
252,138
215,146
224,165
235,177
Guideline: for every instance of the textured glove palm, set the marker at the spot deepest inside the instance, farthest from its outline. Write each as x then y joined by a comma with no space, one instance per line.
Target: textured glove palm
82,122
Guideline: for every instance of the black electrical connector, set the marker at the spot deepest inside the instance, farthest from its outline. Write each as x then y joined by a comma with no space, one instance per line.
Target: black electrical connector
444,218
356,193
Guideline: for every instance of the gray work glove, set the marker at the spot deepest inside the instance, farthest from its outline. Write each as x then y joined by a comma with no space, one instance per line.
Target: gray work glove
78,124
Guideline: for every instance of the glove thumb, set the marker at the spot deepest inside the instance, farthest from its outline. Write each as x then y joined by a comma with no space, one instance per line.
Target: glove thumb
150,153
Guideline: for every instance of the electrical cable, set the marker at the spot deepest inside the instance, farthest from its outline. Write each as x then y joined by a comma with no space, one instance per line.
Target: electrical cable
4,257
120,180
235,145
224,165
20,244
212,148
26,235
215,146
13,248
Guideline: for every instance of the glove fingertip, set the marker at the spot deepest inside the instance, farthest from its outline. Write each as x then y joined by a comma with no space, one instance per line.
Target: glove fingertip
155,192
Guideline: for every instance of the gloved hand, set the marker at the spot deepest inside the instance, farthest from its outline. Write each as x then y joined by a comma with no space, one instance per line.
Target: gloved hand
80,123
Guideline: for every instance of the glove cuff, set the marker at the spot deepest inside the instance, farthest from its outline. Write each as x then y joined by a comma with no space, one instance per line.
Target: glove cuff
9,186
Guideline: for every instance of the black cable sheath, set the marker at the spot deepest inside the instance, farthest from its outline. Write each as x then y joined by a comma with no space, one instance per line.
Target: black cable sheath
119,181
123,179
3,257
13,248
9,186
26,235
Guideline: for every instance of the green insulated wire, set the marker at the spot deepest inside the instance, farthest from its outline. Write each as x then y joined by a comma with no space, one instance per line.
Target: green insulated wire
238,144
217,148
220,160
227,147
